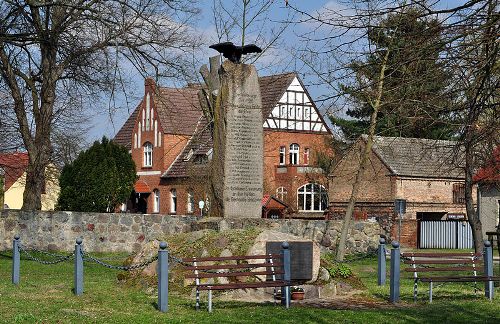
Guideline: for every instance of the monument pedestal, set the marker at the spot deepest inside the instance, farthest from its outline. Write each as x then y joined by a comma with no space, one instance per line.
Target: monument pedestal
240,100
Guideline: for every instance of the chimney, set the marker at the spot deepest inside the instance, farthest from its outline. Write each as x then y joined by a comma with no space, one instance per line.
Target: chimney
149,85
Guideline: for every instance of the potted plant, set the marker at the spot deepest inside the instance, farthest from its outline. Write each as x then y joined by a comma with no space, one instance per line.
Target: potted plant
297,293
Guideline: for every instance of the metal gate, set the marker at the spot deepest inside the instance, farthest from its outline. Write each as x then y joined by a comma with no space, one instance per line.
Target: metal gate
445,235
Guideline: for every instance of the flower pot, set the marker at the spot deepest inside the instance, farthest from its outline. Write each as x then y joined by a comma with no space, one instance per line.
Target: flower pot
297,295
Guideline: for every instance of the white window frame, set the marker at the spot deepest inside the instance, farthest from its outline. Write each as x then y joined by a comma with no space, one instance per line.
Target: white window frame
282,155
190,202
156,201
314,195
173,201
294,153
281,193
148,155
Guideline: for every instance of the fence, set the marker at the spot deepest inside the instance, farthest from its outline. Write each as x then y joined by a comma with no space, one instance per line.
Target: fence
80,256
445,235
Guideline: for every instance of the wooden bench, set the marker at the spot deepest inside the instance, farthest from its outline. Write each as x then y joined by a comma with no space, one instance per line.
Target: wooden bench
235,272
445,267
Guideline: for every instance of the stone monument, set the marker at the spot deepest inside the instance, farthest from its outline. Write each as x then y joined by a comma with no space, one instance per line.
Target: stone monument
240,100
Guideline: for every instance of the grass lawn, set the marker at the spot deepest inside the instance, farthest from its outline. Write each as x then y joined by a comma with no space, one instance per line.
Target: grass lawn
44,296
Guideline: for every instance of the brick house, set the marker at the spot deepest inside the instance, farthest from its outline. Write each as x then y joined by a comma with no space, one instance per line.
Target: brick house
488,193
170,142
424,172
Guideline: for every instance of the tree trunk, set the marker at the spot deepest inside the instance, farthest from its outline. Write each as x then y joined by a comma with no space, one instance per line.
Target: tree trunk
472,215
363,163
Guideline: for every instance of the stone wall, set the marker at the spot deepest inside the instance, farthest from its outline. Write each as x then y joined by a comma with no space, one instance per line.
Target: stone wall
127,232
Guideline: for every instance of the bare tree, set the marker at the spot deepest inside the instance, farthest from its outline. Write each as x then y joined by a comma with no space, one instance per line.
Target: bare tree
54,50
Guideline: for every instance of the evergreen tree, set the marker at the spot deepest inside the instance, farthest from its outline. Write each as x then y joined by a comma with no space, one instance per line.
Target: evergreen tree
98,180
413,103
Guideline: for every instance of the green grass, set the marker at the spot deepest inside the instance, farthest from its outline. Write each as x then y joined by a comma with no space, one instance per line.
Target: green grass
44,296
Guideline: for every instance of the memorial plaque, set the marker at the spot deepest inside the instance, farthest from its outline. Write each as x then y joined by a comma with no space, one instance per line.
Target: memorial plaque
301,257
243,158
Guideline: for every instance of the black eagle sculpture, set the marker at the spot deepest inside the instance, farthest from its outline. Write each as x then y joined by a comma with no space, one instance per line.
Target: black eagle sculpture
233,52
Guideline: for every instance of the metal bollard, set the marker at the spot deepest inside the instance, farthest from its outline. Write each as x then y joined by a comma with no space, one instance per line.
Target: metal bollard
78,272
16,260
395,273
285,291
163,278
381,263
488,269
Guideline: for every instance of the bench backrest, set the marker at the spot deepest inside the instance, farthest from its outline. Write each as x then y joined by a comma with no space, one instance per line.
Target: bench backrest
266,266
443,264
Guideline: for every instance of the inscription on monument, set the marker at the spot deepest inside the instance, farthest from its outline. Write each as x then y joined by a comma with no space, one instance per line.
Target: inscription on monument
244,142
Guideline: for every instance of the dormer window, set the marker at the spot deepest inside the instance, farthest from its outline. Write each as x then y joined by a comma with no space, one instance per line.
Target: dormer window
148,155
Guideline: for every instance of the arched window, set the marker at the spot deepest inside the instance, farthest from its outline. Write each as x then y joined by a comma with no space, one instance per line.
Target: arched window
294,153
190,202
281,193
156,202
148,155
173,201
312,197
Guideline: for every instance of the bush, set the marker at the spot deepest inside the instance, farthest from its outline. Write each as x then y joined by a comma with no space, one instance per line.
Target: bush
100,179
340,270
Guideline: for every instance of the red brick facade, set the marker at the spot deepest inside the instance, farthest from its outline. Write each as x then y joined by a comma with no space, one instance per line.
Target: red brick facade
175,145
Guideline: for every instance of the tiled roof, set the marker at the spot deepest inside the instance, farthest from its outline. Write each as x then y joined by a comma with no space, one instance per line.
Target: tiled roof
141,187
272,88
124,135
199,144
178,109
13,166
417,157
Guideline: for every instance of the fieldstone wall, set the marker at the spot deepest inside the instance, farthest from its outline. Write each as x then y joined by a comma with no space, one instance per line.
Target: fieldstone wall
57,231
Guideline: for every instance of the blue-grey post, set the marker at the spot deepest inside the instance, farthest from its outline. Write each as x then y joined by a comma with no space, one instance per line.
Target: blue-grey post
395,269
381,262
287,277
78,274
488,269
163,278
16,260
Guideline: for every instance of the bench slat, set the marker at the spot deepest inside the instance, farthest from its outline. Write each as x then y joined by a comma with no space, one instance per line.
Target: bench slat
443,269
432,261
242,285
458,279
233,274
437,255
233,266
236,257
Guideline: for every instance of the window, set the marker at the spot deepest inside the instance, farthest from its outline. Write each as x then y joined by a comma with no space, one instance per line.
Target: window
294,153
148,155
312,197
156,202
173,201
459,193
282,155
306,156
190,202
281,193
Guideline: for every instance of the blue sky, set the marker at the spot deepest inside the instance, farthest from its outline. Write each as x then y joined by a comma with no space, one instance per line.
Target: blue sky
108,119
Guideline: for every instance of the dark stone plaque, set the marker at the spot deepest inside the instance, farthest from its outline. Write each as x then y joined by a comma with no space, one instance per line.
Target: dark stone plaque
301,257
